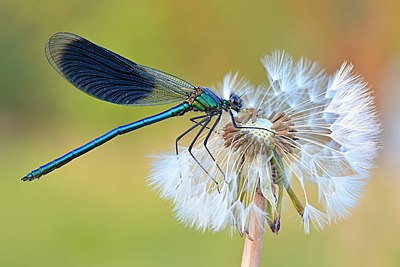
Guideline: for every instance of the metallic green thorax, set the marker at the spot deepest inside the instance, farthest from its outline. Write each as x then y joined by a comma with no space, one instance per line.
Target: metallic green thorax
205,100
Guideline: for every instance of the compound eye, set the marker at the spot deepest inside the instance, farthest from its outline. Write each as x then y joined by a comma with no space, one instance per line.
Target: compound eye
234,100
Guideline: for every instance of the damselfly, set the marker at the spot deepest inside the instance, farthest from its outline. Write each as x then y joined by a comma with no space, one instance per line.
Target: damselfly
107,76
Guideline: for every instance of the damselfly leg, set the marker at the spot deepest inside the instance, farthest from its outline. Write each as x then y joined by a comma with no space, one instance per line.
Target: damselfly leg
206,119
211,130
197,123
246,127
206,122
194,120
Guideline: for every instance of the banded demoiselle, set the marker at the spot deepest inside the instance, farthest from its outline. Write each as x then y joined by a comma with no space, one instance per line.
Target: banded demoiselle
108,76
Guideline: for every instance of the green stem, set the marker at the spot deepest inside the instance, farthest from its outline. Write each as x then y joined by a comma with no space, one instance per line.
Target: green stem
295,200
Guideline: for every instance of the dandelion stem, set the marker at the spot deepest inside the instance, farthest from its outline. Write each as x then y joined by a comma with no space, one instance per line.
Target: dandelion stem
253,241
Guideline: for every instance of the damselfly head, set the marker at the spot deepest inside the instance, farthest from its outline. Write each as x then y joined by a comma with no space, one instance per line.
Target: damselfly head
235,102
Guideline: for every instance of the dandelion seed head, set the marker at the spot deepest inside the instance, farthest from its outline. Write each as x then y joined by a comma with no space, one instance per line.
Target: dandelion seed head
302,127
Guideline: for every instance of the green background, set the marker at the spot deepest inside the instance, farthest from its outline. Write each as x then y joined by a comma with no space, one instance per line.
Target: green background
98,210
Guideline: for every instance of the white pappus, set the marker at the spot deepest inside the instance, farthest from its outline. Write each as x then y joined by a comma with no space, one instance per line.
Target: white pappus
323,137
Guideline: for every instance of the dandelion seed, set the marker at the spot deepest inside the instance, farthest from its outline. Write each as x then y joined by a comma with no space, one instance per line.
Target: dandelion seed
304,128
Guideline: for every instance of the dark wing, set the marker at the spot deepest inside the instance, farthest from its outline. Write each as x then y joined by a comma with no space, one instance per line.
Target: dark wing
107,76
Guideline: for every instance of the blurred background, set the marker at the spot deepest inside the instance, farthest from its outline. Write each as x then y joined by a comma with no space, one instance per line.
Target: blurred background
98,210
